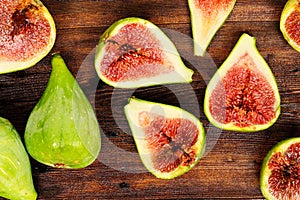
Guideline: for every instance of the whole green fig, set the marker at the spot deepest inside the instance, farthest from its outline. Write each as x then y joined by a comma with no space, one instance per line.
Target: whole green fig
15,171
62,130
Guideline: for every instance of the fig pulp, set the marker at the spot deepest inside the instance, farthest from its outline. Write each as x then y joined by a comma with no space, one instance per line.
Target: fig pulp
15,170
133,52
169,140
62,130
290,23
243,95
207,17
280,172
27,34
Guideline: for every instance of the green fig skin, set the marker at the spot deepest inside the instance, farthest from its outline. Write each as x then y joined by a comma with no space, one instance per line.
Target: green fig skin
62,130
15,170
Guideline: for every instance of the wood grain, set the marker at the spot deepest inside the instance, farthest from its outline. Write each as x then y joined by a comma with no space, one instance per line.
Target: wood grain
230,168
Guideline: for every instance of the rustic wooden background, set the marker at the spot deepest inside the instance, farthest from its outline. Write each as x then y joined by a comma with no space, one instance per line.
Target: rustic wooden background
230,168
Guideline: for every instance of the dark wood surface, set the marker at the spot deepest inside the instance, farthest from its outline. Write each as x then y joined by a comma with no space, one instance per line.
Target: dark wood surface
229,169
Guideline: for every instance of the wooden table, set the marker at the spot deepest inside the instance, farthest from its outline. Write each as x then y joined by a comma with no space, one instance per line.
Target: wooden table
231,166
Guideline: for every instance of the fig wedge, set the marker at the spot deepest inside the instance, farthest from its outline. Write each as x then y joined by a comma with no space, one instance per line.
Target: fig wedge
243,94
279,176
207,17
134,52
27,34
290,23
169,140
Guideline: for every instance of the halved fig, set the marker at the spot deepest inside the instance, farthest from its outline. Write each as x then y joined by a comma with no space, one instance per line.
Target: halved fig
62,130
15,170
243,95
27,34
207,17
169,140
290,23
134,52
280,172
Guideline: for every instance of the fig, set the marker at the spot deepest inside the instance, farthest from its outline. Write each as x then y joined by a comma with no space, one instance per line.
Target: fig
134,52
207,17
15,170
290,23
62,130
170,141
27,34
243,95
279,176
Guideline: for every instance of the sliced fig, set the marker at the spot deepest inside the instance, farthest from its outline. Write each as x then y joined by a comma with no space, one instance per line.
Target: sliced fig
280,172
133,52
62,130
207,17
290,23
243,95
15,170
27,34
169,140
